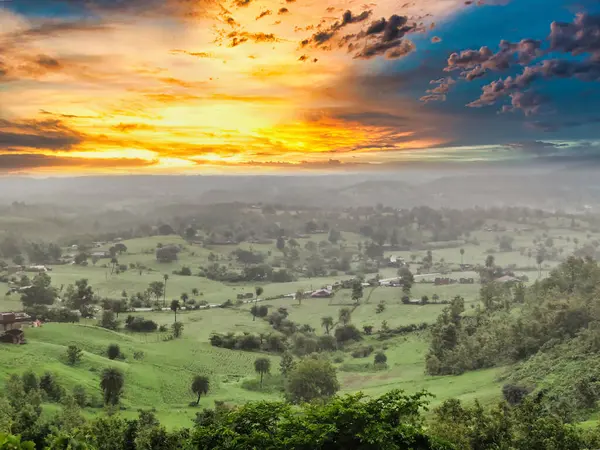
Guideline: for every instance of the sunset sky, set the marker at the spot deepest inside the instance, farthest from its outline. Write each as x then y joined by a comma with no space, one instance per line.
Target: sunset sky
199,86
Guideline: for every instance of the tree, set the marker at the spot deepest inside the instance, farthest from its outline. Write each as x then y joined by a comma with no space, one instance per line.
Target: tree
74,354
166,278
184,297
258,290
280,243
200,385
299,296
262,366
539,259
81,297
156,288
108,320
190,233
490,262
462,254
380,307
30,382
113,351
357,290
311,379
114,262
327,323
112,381
406,280
40,293
165,230
344,316
334,236
175,305
195,292
380,358
177,329
286,364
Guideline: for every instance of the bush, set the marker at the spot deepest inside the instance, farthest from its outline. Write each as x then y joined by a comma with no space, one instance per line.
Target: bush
326,343
248,342
30,381
138,356
140,325
113,351
80,396
52,390
368,329
108,320
380,358
346,333
362,352
74,354
514,394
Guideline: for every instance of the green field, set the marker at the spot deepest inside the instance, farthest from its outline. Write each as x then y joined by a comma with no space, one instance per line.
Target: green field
162,378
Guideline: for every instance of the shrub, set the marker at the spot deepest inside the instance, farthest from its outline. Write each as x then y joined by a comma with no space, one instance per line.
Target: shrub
248,342
30,381
140,325
346,333
113,351
380,358
74,354
363,352
368,329
177,329
327,343
52,390
138,356
108,320
514,394
80,396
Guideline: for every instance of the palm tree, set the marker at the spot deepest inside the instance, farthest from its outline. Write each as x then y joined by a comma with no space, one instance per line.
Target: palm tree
200,385
539,259
327,323
165,277
462,254
184,297
262,366
175,305
111,383
259,290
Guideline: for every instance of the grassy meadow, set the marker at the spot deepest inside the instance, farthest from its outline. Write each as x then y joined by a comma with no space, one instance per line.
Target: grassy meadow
161,379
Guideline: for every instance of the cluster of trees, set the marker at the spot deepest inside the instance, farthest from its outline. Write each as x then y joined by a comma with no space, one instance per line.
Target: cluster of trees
559,312
393,421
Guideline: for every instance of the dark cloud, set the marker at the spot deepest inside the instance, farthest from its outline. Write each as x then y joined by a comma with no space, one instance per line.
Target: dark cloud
242,3
475,63
323,36
37,134
194,54
397,49
436,39
529,102
154,8
128,127
282,11
238,38
16,162
439,92
386,37
264,14
578,38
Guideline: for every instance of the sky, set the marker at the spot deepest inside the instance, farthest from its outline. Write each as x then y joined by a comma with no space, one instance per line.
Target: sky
268,86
